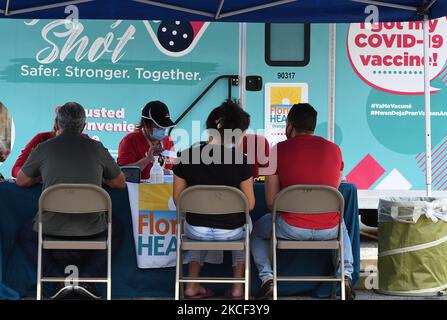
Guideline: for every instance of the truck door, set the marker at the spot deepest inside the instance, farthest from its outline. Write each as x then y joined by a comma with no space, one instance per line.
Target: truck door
292,60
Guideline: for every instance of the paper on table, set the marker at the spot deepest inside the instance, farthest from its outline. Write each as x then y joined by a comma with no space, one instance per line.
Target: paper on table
169,154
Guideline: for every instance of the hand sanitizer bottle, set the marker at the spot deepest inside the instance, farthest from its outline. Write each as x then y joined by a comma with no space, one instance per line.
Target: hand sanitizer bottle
157,174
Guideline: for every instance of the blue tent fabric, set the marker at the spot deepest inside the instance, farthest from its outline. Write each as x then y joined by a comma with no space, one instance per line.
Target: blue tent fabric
299,11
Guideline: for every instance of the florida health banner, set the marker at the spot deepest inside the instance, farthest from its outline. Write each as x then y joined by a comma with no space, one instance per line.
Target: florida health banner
154,224
279,99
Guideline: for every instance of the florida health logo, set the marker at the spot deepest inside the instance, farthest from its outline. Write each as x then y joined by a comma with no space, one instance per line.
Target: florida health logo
175,38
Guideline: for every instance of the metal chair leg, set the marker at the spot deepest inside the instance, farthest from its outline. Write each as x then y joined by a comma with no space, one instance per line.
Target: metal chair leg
336,263
275,276
109,289
178,267
342,271
247,264
182,285
39,264
109,263
249,280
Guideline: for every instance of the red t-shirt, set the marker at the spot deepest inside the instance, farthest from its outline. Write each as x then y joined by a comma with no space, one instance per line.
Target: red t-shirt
257,149
308,159
133,148
38,139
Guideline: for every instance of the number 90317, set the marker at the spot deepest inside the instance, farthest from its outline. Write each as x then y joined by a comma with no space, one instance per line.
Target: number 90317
285,75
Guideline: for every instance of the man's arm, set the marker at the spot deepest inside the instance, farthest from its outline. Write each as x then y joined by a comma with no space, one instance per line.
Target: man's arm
112,174
118,183
30,173
127,155
35,141
180,184
247,188
342,167
272,188
271,166
24,181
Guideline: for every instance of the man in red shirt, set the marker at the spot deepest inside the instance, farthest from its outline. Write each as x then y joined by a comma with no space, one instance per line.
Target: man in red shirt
138,148
38,139
257,149
35,141
302,159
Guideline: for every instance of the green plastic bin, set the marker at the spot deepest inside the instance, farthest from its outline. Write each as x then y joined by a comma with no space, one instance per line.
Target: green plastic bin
412,257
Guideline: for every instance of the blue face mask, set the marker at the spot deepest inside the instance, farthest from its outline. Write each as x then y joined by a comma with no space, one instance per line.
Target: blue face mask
158,133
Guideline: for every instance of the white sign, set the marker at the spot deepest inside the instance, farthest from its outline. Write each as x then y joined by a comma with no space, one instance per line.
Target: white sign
389,56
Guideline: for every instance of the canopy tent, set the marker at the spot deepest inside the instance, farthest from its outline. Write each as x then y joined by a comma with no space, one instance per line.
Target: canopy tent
278,11
297,11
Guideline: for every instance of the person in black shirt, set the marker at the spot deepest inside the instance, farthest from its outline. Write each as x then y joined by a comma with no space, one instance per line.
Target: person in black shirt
216,162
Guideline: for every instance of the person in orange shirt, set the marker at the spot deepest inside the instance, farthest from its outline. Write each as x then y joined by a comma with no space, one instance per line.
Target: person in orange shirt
138,148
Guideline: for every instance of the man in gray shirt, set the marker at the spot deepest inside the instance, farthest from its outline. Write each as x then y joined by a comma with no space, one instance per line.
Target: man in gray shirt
71,158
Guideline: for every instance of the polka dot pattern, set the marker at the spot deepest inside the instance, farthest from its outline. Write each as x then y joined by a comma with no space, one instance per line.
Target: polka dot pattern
175,36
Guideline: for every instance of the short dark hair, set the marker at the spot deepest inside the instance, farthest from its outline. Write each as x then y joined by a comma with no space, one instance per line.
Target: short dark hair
71,117
229,115
303,117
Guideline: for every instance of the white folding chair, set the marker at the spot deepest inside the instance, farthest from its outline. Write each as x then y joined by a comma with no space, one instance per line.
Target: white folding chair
212,200
74,199
309,199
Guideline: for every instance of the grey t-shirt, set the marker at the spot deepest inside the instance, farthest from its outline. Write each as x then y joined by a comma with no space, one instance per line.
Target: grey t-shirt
71,158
